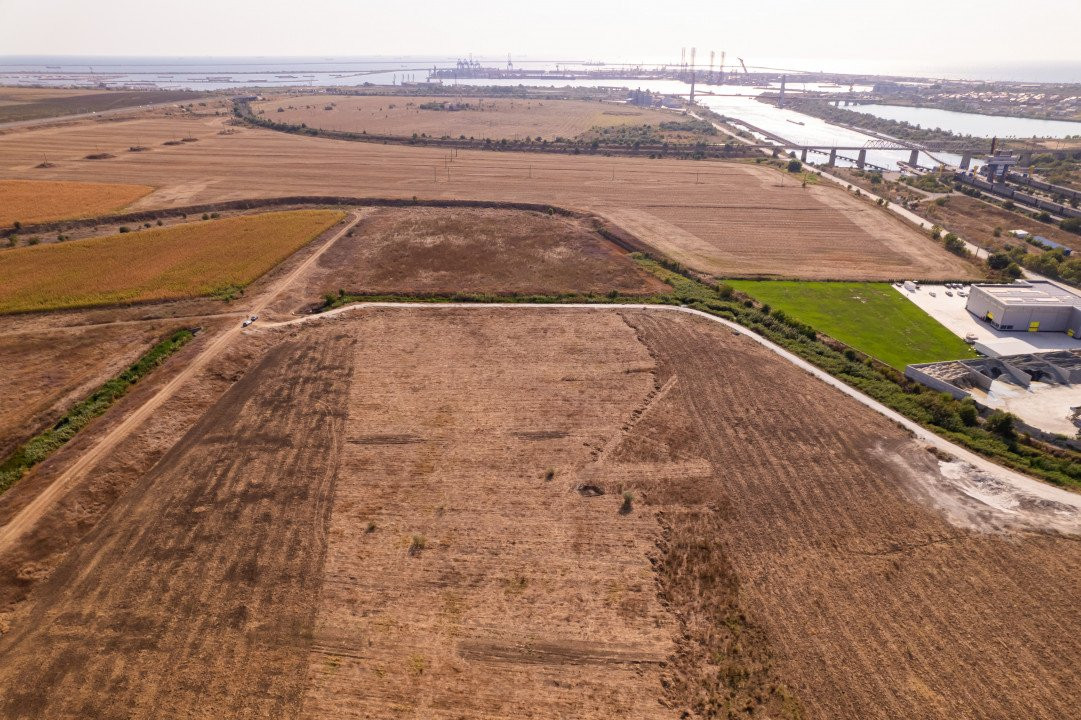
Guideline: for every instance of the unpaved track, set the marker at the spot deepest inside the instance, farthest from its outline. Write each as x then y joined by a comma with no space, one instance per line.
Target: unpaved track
33,511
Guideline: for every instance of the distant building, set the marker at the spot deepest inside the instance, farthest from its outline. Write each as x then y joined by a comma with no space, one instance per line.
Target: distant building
1027,306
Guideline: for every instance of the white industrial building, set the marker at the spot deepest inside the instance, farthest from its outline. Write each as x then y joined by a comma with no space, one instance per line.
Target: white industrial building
1027,306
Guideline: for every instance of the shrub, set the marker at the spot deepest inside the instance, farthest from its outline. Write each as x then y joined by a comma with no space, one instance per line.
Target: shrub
417,544
794,166
215,216
955,244
628,503
1001,424
124,229
17,225
1014,270
998,261
33,240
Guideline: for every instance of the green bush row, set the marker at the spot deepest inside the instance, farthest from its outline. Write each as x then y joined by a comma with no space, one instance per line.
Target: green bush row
39,447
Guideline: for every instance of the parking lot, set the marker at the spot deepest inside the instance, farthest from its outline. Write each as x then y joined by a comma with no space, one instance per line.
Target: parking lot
950,311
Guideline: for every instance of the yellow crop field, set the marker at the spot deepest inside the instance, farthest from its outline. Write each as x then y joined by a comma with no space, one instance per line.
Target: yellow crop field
30,201
190,260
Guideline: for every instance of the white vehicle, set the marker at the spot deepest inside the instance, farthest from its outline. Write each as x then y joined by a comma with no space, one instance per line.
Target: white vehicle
246,323
933,294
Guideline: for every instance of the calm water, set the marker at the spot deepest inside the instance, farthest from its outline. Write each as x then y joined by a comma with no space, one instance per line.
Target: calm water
736,101
974,124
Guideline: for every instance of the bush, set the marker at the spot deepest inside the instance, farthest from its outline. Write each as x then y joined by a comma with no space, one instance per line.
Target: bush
1069,224
33,240
417,544
955,244
998,261
124,229
17,225
795,166
628,503
1001,424
206,216
1014,270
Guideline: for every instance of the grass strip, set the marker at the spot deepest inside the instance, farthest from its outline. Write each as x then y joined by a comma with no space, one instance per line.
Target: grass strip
44,444
992,436
870,317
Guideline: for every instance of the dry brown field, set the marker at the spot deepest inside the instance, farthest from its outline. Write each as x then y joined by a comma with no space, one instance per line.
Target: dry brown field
198,258
30,201
46,371
780,557
720,217
976,221
494,118
444,250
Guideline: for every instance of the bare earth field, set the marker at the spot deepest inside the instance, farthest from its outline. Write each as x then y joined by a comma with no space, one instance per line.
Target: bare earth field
22,104
719,217
47,371
781,555
494,118
976,221
437,250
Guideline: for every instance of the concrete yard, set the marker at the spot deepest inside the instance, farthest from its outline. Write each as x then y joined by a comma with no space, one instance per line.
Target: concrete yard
951,312
1044,405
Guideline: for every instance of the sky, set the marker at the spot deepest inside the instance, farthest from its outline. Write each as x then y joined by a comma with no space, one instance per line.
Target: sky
826,34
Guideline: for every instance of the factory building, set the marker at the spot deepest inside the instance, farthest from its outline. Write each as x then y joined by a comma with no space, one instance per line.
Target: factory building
1027,306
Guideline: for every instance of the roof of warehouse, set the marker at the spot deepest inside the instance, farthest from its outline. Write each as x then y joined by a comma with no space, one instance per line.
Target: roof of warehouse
1034,293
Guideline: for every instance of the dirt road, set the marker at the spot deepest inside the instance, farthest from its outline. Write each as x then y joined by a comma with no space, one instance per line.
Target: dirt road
25,519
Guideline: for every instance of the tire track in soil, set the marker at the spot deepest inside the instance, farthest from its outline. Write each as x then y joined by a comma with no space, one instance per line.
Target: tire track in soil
947,623
195,596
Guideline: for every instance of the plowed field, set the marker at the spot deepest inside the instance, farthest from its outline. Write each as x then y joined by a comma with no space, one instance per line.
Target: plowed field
436,250
494,118
417,513
719,217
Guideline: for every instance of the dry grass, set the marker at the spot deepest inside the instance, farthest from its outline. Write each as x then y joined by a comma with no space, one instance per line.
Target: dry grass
160,264
486,118
29,201
725,218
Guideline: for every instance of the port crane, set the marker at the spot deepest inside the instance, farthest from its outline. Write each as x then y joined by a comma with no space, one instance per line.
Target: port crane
744,65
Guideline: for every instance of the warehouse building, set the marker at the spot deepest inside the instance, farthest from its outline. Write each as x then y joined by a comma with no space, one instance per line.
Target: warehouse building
1027,306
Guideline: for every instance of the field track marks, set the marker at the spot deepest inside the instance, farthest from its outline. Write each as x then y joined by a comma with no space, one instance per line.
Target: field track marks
36,508
1018,490
195,596
956,624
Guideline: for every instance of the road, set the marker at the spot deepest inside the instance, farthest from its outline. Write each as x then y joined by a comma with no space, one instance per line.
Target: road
29,515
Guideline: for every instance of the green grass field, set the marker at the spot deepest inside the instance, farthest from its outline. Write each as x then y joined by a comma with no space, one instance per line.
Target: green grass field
870,317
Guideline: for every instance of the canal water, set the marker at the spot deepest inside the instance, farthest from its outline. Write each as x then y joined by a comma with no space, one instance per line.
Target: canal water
973,123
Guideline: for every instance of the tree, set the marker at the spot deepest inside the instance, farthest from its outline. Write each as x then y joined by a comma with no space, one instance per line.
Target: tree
1014,270
998,261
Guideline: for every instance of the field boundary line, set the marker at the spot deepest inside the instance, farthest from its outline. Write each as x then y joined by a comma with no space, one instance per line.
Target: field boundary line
1020,482
33,511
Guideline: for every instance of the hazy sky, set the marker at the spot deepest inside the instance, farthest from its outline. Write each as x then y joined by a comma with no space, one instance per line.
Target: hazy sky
867,35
